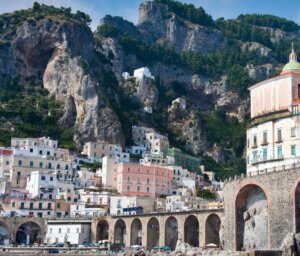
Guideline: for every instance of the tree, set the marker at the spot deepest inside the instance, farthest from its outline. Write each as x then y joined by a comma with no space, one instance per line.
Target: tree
206,194
36,6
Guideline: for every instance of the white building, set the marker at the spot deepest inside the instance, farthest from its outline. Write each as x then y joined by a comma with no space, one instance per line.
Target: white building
136,150
273,136
108,172
93,197
82,210
85,179
142,72
118,203
42,185
72,231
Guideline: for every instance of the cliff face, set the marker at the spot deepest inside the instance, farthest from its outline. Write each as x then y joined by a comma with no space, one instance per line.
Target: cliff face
60,55
170,30
208,63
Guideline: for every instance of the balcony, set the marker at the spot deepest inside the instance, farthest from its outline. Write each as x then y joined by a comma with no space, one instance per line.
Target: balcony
254,145
264,143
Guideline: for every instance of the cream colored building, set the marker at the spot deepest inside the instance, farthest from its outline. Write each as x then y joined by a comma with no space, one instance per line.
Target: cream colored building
18,167
273,133
97,150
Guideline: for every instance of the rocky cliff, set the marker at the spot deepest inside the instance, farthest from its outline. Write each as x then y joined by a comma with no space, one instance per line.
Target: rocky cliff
50,57
58,53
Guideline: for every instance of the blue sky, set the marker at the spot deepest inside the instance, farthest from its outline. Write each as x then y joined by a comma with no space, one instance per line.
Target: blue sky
128,9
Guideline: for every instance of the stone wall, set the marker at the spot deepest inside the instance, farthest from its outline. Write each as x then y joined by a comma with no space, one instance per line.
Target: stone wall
276,206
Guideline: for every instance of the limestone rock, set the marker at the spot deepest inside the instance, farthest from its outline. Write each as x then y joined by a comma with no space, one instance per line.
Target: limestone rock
170,30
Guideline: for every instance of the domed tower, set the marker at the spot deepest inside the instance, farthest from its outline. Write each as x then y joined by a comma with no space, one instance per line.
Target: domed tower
273,135
293,65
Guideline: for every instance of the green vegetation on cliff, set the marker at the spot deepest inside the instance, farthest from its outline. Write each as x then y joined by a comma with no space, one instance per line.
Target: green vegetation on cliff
27,111
269,21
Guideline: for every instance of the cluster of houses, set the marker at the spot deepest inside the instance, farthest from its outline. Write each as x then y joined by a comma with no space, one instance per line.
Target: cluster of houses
39,179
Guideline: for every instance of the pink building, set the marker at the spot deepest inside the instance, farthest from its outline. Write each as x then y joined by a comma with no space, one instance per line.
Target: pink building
143,180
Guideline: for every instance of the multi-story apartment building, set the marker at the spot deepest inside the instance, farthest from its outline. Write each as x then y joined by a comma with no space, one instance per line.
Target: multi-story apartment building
19,167
42,185
273,135
143,180
118,203
97,150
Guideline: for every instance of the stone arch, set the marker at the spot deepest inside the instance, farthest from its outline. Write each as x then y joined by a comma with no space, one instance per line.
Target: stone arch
191,231
251,218
102,230
29,232
120,232
152,233
4,232
171,232
136,232
212,229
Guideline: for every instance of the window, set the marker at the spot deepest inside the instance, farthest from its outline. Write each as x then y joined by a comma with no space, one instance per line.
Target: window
13,204
7,162
138,188
58,205
128,169
148,180
148,189
293,132
48,153
49,206
67,167
254,156
298,91
49,166
279,151
265,154
20,163
293,150
295,109
22,205
128,179
43,178
128,188
279,137
138,180
31,163
59,230
41,164
40,206
41,152
31,206
51,178
254,140
18,174
265,137
31,150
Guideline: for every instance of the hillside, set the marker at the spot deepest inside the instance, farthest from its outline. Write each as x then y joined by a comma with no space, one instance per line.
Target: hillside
60,79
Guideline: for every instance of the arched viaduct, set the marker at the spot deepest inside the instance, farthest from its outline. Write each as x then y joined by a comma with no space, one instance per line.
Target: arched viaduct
197,228
261,209
19,230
